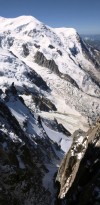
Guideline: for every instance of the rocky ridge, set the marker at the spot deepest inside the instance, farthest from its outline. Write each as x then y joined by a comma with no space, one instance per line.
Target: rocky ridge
79,173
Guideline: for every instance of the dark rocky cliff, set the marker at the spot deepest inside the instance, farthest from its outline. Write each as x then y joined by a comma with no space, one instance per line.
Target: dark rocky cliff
41,60
22,157
79,173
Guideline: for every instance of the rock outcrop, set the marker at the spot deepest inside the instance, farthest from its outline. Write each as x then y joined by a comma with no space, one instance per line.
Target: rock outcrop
41,60
43,104
79,173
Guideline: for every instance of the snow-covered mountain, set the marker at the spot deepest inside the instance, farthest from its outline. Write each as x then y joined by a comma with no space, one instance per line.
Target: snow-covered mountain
58,51
25,36
49,87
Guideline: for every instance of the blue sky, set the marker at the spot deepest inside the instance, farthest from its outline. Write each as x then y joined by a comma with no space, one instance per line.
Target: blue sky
84,15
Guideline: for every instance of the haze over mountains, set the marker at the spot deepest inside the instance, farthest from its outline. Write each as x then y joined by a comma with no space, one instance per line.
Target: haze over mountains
93,40
49,88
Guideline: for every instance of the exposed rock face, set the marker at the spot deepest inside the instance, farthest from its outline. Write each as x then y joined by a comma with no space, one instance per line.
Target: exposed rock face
37,80
37,46
20,177
22,156
79,173
25,50
51,46
43,104
40,59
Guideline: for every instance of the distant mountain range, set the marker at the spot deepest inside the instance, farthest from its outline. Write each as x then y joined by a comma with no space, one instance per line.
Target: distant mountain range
91,36
93,40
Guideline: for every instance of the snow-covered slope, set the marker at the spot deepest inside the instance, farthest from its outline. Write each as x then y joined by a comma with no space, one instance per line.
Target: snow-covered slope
62,51
25,36
49,87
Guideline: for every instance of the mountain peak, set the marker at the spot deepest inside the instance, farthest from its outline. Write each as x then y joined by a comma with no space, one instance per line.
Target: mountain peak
66,30
19,18
18,22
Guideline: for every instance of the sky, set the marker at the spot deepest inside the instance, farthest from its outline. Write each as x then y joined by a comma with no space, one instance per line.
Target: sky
83,15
